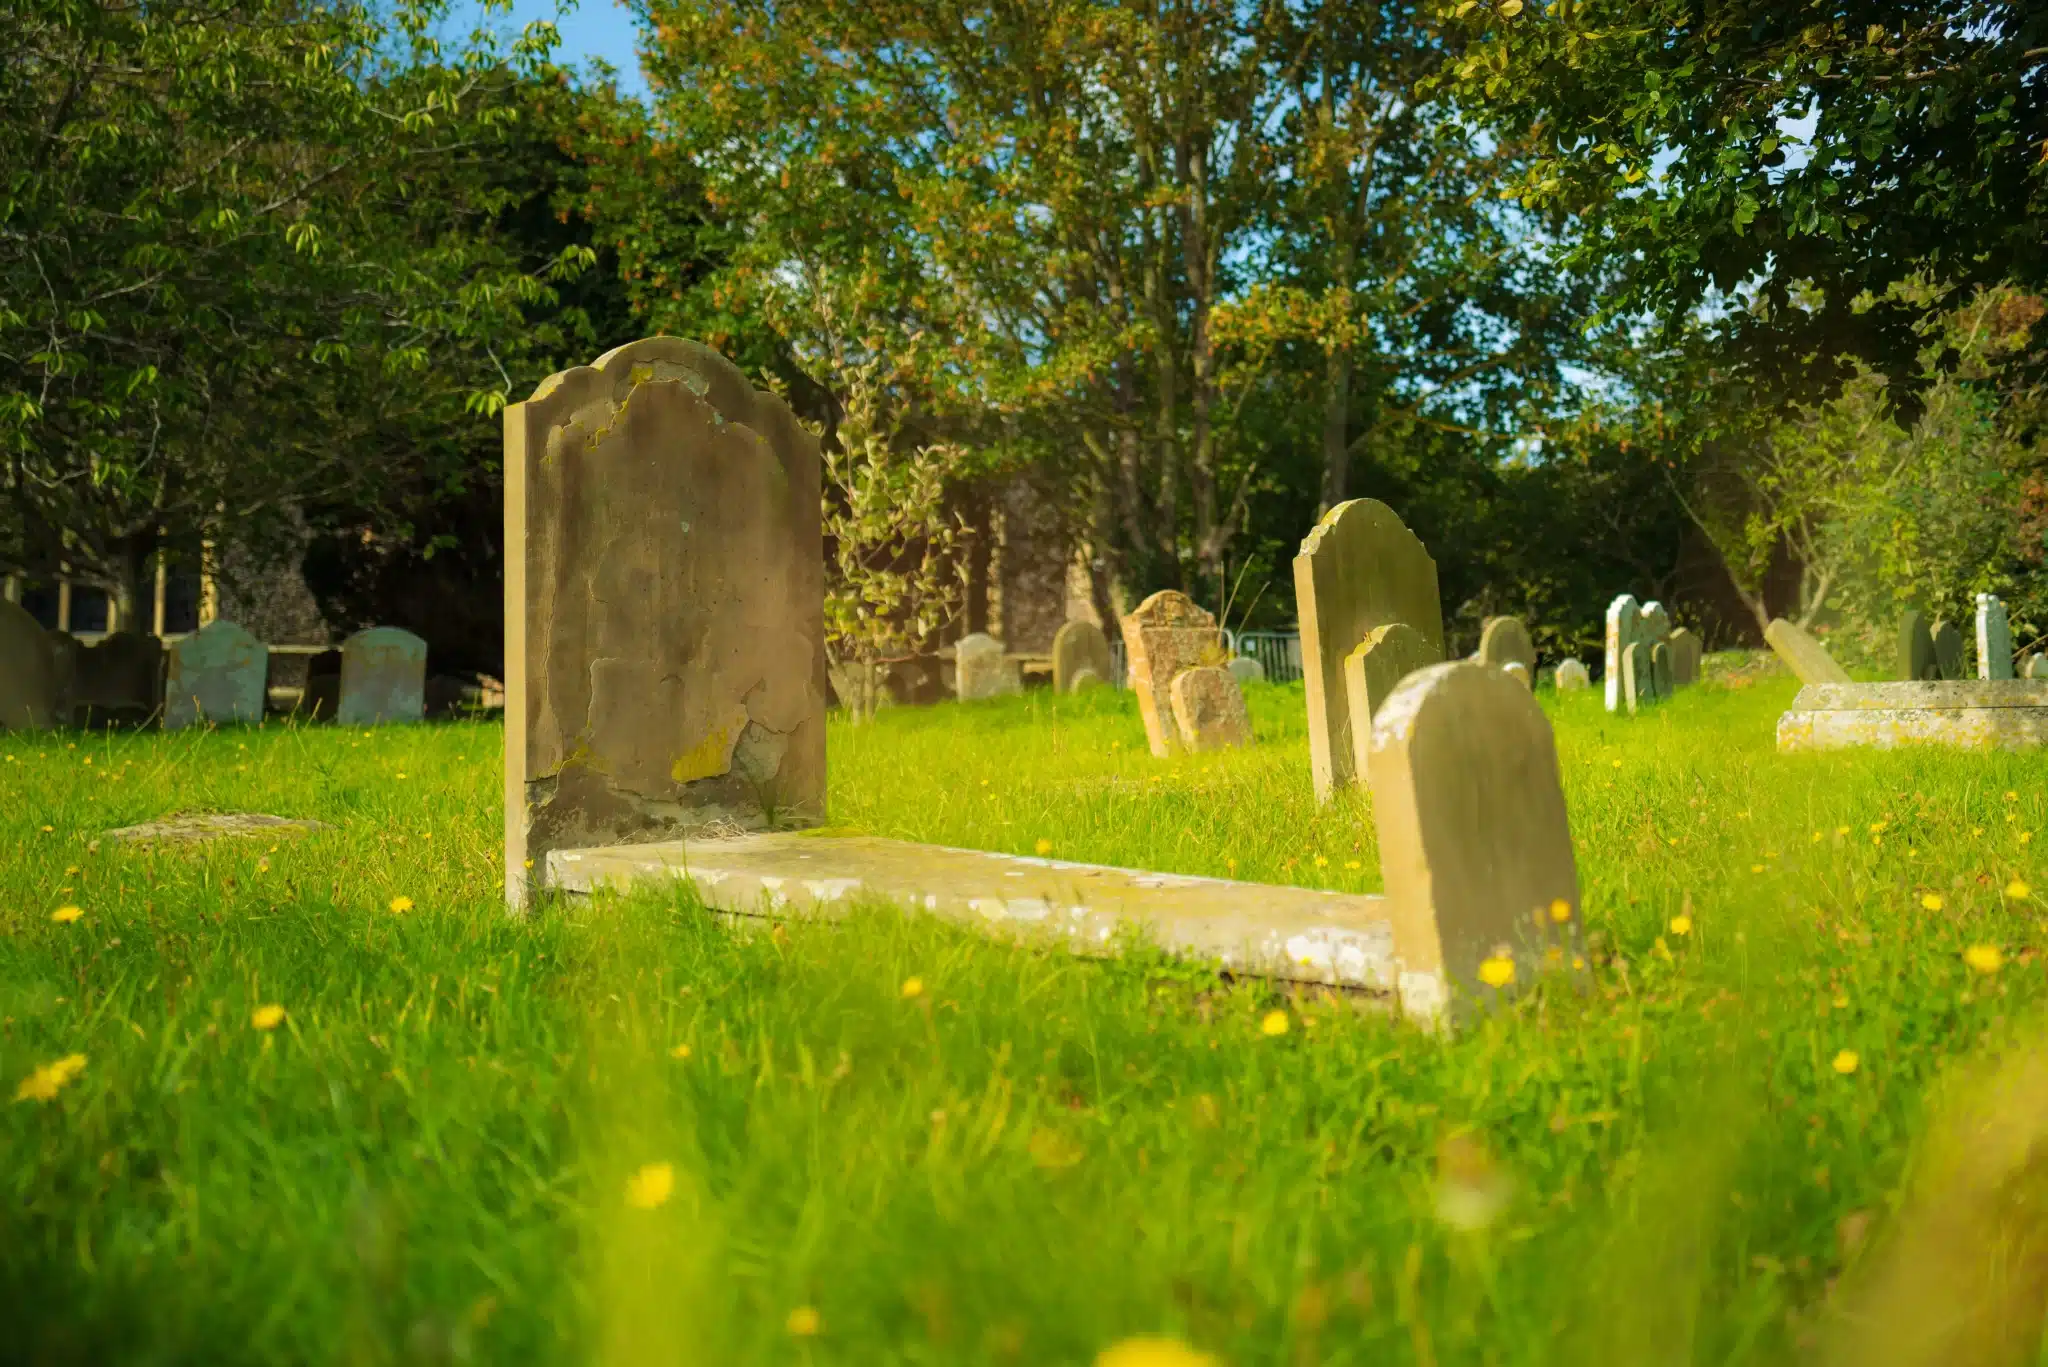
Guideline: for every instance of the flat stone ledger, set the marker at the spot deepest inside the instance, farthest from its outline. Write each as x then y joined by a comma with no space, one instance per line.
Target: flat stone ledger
1079,646
664,607
2008,714
1164,635
383,678
1208,706
1359,569
1297,934
28,671
1807,658
217,675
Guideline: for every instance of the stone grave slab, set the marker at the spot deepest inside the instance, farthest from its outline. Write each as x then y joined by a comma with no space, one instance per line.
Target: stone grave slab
1662,670
981,669
1572,675
217,677
2010,714
28,671
1359,569
1208,706
1245,669
1994,639
383,678
664,606
189,828
1916,649
1504,641
1638,677
1076,646
1948,651
1807,658
1624,627
1373,671
1687,652
1163,635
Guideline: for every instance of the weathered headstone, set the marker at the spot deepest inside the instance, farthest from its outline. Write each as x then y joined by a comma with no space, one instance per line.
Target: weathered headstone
981,669
1164,635
1209,708
1656,623
1359,569
1948,652
1994,639
1624,624
1572,676
1661,669
1916,649
1686,654
1373,671
1245,669
1805,657
1076,646
1638,676
383,677
1475,845
120,677
664,606
1085,679
2037,666
1504,641
28,671
217,675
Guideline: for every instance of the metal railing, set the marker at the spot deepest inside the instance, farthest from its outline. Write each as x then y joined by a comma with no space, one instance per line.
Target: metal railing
1278,652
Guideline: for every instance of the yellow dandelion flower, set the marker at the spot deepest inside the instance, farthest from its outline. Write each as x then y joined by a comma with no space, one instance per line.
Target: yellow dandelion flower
1560,911
266,1017
1932,901
48,829
1617,764
401,905
680,1051
1841,1001
1846,1062
1353,864
651,1186
803,1322
1044,847
1841,830
1275,1023
2025,836
1578,962
1230,864
1321,862
1153,1352
66,915
1877,826
2011,796
912,987
1817,837
1681,925
1756,868
1984,958
2017,890
1497,971
398,775
45,1082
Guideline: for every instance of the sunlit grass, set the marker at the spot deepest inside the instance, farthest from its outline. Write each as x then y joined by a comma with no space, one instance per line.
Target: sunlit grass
617,1132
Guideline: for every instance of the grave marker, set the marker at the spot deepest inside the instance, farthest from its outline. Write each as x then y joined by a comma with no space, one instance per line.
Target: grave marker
1208,706
1360,568
1388,655
1085,679
1572,675
1804,656
1624,622
1916,649
1164,635
217,676
664,606
981,669
1661,669
1504,641
1948,652
28,671
1994,639
120,676
1638,676
1245,669
383,678
1077,646
1686,653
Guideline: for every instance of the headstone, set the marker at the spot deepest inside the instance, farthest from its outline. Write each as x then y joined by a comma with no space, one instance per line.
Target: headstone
1475,846
217,676
64,648
1804,656
1085,679
664,607
1359,569
1572,676
1948,652
1994,639
2037,666
1164,635
981,669
1661,669
1076,646
28,671
1656,623
1209,708
1624,623
1245,669
1638,676
1686,654
120,677
1372,672
383,677
1504,641
1916,649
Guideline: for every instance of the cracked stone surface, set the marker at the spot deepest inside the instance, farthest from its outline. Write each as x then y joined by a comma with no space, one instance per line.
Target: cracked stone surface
2008,714
185,828
1164,635
664,606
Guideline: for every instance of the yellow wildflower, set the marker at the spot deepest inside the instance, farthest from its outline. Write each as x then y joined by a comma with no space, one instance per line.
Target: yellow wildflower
1932,901
1497,971
2011,796
1756,868
66,915
45,1082
1984,958
912,987
1681,925
1841,830
1321,862
401,905
680,1051
803,1322
266,1017
1560,911
651,1186
2017,890
1153,1352
1044,847
1846,1062
1275,1023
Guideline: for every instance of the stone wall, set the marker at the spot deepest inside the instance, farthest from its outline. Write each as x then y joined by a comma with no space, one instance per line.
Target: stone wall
1028,571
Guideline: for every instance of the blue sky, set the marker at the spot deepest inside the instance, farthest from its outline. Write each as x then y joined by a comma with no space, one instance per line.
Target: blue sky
595,28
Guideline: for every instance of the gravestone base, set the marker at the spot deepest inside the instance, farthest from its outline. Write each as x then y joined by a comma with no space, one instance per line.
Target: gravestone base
1984,715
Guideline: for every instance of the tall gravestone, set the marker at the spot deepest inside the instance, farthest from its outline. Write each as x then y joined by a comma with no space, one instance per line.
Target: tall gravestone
1804,656
1624,623
1948,652
1638,677
1916,649
1994,639
1504,641
28,671
1076,646
383,678
1209,709
217,675
664,607
1686,653
1662,669
1372,672
982,669
1361,568
1164,635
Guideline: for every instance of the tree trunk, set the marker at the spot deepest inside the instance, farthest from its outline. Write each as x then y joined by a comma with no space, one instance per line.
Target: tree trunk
1336,418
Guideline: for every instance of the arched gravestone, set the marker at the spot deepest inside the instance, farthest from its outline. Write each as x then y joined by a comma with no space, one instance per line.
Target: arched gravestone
1624,625
1209,709
1687,651
383,677
982,669
1572,675
1076,646
664,606
1504,641
217,676
28,671
1245,669
1360,568
1163,635
1372,672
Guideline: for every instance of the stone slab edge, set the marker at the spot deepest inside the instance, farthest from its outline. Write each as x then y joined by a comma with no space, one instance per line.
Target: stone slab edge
1901,695
1957,728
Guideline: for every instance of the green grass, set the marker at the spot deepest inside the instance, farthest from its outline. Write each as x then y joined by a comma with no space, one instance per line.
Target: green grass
427,1160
